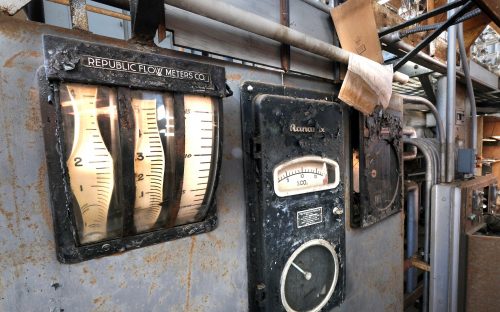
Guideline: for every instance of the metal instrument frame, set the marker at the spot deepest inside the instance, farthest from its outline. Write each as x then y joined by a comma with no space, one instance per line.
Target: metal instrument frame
63,63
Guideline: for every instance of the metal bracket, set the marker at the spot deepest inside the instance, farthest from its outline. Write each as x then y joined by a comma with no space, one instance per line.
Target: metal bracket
146,16
78,13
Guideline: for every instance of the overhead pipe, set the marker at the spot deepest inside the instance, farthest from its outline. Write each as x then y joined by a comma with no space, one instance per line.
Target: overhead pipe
430,180
399,48
470,89
440,133
233,16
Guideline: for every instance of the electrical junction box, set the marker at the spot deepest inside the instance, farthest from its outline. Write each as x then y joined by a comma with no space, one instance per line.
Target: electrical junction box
133,146
295,171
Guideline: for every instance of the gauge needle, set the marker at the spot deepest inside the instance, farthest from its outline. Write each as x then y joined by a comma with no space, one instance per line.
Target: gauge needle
307,275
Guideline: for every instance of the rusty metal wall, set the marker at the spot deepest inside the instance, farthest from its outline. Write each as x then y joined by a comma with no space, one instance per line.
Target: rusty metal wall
201,273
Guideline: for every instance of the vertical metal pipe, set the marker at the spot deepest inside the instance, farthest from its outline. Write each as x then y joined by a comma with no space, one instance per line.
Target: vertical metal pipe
470,89
412,208
454,251
441,98
430,180
450,100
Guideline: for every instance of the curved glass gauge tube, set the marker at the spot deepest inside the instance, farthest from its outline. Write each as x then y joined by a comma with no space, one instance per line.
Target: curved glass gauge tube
304,175
149,165
199,141
90,164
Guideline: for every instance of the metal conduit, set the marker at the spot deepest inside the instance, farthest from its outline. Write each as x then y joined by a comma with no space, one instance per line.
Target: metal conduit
451,84
412,209
440,133
470,89
430,180
230,15
412,134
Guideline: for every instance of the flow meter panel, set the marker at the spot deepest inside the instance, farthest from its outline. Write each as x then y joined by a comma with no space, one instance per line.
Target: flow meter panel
139,157
295,189
378,193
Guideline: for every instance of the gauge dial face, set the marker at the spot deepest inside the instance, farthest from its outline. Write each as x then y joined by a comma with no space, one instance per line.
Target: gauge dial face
90,165
383,185
199,119
309,277
149,165
304,175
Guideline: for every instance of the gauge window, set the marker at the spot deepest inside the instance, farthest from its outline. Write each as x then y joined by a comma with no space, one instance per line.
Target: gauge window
309,277
90,122
304,175
137,161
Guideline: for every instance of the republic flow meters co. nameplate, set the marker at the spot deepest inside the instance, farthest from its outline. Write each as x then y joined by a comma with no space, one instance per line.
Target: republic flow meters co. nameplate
295,172
133,146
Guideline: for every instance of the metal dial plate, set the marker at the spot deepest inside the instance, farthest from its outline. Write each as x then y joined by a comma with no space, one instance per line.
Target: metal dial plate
309,277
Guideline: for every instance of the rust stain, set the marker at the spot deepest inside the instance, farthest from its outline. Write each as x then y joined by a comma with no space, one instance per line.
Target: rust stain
233,77
10,62
152,288
34,120
99,302
188,290
7,214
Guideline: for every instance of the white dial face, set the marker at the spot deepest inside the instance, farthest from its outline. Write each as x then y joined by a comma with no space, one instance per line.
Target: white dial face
304,175
90,164
149,165
199,139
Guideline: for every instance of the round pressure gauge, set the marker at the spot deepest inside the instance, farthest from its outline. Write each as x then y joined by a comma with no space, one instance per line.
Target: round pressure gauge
304,175
309,277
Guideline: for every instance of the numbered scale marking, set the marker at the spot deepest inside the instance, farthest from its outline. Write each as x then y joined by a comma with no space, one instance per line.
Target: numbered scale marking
305,174
149,165
199,139
90,164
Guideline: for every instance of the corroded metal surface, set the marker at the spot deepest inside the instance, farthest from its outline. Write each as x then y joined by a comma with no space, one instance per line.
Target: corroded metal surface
202,273
483,275
12,6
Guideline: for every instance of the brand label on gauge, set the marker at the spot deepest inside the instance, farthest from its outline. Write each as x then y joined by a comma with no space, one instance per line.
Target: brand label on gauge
145,69
309,217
